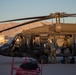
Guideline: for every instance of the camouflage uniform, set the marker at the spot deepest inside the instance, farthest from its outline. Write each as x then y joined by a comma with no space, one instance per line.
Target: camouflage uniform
52,52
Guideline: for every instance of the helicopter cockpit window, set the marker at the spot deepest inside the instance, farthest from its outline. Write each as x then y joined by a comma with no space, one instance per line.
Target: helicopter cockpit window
11,40
36,41
18,40
60,39
75,40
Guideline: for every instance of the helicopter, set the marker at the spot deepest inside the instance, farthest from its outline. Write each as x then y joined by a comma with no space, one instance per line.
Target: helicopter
14,47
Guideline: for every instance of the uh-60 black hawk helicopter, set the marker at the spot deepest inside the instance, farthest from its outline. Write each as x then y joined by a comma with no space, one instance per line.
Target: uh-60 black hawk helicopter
57,31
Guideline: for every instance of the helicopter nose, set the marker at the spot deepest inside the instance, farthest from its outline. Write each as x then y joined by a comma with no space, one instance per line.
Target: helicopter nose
1,51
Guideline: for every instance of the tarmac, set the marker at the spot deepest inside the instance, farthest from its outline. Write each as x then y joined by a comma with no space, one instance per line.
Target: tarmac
48,69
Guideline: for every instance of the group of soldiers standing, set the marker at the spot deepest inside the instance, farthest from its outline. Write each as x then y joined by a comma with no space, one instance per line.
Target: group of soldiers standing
53,46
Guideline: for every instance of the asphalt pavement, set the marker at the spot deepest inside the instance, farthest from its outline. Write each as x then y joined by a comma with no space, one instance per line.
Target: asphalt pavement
48,69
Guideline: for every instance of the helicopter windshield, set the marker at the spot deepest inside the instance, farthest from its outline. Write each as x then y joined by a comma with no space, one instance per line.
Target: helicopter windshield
11,40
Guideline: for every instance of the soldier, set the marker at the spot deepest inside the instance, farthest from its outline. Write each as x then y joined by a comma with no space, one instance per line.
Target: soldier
52,50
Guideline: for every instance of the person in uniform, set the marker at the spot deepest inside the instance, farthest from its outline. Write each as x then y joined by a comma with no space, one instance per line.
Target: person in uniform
52,51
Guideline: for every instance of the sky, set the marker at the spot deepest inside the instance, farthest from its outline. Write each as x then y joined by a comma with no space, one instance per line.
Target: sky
13,9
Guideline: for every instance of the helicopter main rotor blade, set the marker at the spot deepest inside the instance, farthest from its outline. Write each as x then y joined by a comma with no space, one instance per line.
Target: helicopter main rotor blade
72,14
69,15
55,15
40,18
24,19
25,24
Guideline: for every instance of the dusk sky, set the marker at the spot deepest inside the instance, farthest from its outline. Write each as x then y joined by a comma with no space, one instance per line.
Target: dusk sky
13,9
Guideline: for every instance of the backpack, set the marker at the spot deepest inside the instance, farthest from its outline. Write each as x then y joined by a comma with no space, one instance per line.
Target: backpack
32,65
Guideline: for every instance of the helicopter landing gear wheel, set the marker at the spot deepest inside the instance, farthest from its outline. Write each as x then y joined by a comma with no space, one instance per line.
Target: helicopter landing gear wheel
43,58
66,51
